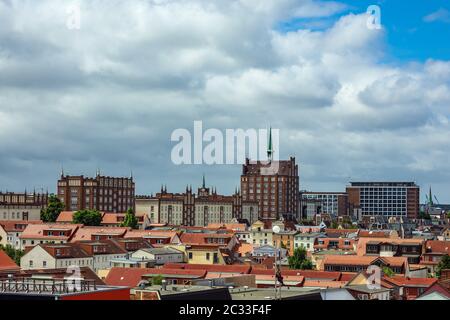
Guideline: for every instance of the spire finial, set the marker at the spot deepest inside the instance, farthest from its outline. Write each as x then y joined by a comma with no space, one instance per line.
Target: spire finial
62,170
270,148
203,185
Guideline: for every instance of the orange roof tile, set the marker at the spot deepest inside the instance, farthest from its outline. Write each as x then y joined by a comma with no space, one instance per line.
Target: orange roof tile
6,263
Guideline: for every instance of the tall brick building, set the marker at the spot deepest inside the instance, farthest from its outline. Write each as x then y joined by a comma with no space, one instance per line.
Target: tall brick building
275,187
110,194
390,199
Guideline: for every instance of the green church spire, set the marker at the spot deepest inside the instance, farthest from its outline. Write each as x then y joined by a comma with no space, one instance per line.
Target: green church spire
270,147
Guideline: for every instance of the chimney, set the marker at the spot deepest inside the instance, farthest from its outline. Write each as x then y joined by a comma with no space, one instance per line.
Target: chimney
164,284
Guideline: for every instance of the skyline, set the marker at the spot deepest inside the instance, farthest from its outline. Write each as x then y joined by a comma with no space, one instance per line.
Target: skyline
351,103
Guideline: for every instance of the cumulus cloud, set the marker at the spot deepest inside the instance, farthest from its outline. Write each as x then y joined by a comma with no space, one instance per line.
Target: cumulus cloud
110,94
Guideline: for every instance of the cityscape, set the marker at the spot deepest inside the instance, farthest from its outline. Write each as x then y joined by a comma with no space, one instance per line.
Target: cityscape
225,157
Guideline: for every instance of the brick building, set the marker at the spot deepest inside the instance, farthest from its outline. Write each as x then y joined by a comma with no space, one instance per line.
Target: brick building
101,193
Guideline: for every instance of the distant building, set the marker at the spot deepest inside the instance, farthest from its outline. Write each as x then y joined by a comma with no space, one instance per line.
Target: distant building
333,203
390,199
100,193
22,206
201,209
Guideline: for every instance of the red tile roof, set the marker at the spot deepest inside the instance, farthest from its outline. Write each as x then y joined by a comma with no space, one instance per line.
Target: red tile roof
401,281
86,232
362,260
17,225
6,263
437,247
36,231
210,268
201,238
130,277
324,284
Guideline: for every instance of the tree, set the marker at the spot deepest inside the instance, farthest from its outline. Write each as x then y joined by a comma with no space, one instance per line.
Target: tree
54,208
88,217
157,280
130,220
444,264
388,271
424,215
299,260
14,254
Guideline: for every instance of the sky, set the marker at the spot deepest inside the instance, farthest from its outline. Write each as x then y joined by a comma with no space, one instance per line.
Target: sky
351,102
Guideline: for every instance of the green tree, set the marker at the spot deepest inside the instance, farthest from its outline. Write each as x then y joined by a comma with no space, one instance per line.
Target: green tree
130,220
388,271
157,280
299,260
14,254
54,208
88,217
443,265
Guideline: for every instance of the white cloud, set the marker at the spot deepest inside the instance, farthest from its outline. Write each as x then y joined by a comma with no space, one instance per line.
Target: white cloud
110,93
442,15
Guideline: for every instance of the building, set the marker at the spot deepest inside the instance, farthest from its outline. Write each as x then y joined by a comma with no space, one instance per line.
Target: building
22,206
161,256
45,233
11,230
275,187
389,199
201,209
434,252
307,240
100,193
333,203
260,234
93,254
347,263
386,247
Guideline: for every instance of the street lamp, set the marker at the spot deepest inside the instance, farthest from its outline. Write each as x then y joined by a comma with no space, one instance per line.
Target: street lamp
276,230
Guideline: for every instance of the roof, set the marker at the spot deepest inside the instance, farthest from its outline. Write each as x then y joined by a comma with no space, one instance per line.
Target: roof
65,217
324,284
161,250
245,248
152,233
231,226
374,233
363,260
6,263
86,232
362,242
36,231
130,277
437,288
17,225
201,238
437,247
287,280
211,267
411,282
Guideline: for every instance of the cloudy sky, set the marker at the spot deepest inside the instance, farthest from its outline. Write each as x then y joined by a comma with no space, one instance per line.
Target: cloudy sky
351,102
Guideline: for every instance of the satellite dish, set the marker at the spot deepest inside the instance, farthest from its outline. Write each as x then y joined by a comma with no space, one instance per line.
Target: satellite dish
276,229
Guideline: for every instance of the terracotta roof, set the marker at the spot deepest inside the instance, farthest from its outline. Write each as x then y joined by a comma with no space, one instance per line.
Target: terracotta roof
152,233
411,282
65,216
362,242
437,287
296,280
245,248
362,260
230,226
6,263
201,238
17,225
130,277
324,284
437,247
340,241
210,267
374,234
86,232
36,231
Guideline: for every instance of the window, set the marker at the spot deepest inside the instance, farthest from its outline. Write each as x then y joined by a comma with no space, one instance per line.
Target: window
44,263
190,255
30,263
207,255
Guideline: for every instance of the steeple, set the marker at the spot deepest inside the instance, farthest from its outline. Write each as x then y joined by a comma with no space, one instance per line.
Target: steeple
203,184
62,171
270,147
430,198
